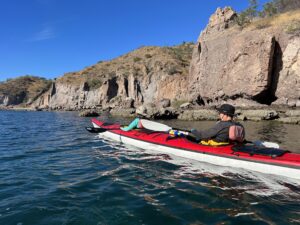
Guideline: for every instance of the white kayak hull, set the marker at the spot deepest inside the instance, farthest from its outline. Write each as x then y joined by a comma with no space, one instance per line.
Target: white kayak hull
208,158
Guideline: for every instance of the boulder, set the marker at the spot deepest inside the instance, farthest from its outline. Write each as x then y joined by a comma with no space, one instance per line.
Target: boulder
141,110
221,19
164,103
199,114
259,114
152,112
123,112
186,105
89,113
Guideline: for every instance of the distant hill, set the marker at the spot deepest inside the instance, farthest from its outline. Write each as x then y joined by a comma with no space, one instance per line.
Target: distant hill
22,90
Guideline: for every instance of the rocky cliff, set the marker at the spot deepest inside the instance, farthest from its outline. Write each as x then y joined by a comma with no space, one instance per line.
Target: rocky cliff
22,91
259,64
144,76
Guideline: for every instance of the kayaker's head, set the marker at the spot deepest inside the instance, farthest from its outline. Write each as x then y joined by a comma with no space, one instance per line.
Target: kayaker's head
226,112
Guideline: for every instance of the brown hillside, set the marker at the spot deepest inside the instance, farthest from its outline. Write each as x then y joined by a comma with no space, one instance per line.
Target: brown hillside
170,59
23,89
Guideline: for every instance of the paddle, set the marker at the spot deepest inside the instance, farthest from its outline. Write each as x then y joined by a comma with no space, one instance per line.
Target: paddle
155,126
147,124
265,144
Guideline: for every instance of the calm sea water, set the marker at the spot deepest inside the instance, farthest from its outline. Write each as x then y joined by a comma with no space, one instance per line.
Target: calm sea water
54,172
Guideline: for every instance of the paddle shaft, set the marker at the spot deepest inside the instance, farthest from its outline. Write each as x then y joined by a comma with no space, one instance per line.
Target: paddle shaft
156,126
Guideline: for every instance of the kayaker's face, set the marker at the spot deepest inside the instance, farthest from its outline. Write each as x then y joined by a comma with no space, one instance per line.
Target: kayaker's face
221,115
224,117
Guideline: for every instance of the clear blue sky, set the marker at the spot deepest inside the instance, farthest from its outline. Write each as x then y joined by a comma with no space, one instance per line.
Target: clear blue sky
51,37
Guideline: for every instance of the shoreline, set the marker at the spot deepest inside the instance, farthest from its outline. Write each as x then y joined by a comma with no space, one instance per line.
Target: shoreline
277,114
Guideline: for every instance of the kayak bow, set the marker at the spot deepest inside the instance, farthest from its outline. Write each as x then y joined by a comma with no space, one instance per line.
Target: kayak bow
250,157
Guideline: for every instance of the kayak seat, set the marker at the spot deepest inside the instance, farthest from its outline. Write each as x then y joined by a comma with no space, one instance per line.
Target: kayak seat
258,150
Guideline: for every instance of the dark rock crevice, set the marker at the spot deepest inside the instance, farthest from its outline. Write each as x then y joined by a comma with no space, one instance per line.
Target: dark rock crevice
277,67
85,87
200,100
268,96
138,90
112,88
126,86
199,48
53,89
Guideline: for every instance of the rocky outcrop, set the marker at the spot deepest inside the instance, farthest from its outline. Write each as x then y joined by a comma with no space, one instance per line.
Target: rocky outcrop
199,114
259,114
252,65
22,90
147,75
12,99
288,88
89,113
5,100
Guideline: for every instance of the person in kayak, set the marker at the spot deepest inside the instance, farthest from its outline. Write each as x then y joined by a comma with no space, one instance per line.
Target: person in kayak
223,131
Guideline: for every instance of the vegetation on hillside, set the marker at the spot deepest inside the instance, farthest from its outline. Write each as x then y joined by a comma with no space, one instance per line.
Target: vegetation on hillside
144,60
269,9
25,88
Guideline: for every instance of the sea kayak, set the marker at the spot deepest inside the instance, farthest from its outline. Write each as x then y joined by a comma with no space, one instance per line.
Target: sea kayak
249,157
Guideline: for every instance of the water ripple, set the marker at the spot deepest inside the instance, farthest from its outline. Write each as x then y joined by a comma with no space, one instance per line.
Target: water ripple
53,172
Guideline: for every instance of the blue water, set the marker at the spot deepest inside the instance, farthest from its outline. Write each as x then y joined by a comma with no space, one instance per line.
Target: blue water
54,172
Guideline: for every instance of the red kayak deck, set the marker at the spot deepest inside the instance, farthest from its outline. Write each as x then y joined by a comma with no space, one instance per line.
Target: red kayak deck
160,138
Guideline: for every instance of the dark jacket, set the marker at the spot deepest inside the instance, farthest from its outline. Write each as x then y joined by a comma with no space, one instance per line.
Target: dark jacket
219,132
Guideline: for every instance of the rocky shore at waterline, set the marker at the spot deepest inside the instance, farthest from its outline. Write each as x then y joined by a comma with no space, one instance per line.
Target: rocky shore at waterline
289,116
186,113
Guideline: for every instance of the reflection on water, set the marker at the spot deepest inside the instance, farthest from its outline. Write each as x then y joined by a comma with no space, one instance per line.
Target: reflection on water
286,135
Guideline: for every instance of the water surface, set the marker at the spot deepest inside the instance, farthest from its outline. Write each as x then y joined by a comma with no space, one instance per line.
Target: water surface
53,172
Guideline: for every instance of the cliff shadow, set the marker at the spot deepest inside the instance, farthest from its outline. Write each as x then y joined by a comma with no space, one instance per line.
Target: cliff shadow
277,67
112,88
269,95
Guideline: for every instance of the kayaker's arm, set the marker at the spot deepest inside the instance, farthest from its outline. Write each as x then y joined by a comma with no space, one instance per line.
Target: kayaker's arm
219,132
205,134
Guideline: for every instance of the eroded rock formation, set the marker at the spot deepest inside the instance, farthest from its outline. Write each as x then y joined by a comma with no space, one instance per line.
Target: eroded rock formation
258,65
144,76
247,67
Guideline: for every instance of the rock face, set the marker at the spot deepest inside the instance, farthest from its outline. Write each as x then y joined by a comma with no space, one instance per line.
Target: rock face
288,89
259,65
22,90
251,67
5,100
147,75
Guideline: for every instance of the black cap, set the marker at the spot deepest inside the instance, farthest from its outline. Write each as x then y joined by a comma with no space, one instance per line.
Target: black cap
227,109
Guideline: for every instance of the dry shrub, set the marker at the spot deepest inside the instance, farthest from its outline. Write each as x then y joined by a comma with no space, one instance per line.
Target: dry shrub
262,24
294,27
